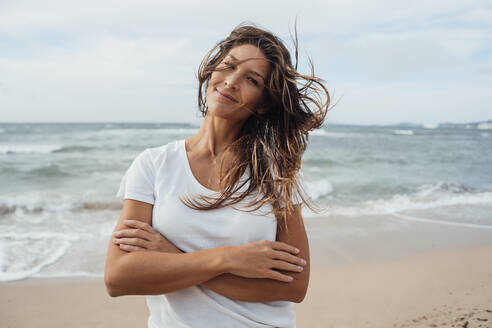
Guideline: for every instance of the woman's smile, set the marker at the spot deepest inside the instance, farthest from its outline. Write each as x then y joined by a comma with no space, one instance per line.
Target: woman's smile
225,96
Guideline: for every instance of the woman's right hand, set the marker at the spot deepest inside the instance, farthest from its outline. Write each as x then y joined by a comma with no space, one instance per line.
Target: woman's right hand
261,259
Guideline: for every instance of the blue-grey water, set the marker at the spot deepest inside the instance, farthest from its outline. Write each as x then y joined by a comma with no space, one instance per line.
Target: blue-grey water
58,183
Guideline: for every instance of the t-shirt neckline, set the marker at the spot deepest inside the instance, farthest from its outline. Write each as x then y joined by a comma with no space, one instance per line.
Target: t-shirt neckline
190,172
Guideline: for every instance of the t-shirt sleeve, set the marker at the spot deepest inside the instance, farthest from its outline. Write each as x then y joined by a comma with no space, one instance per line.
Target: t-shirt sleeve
138,181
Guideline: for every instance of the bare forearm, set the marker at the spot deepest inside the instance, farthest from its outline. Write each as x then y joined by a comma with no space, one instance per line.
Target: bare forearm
248,289
253,290
241,288
244,289
151,272
265,290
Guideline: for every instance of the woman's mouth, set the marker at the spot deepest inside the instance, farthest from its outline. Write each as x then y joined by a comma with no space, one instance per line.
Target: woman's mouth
226,96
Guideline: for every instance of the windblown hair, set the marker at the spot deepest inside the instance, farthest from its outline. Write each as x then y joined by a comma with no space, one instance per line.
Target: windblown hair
270,144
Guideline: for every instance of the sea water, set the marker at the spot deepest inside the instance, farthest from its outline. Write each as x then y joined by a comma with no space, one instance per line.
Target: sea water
58,183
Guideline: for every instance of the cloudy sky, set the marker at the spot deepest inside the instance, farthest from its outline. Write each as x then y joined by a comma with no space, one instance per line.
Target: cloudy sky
119,61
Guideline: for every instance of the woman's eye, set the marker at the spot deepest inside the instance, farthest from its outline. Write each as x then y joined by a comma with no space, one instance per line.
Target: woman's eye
253,81
229,65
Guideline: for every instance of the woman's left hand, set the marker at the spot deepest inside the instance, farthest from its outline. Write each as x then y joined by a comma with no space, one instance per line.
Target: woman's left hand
142,237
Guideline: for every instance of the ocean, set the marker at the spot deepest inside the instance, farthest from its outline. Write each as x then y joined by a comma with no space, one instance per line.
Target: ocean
58,183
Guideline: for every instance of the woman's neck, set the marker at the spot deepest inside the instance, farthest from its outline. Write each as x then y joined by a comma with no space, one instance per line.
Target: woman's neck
214,135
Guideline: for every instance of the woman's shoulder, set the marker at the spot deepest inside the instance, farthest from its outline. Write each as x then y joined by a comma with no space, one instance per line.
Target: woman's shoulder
170,147
158,155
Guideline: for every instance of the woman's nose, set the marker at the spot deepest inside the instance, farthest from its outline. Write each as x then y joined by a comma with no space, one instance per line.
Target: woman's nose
231,80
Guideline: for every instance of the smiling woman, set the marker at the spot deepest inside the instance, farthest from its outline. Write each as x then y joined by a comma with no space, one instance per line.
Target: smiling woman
211,228
238,82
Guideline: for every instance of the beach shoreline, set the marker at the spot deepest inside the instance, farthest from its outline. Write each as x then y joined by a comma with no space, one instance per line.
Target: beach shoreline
415,275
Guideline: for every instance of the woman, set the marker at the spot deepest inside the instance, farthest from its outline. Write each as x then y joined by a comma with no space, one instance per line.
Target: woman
211,228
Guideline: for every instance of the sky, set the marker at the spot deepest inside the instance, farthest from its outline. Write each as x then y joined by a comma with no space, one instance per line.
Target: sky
384,62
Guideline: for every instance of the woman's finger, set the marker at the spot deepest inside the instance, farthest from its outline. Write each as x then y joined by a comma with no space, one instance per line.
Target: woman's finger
284,256
132,242
272,274
282,265
135,233
281,246
130,248
140,225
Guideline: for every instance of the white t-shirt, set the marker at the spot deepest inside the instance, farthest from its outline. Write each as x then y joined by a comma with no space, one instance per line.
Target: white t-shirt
157,176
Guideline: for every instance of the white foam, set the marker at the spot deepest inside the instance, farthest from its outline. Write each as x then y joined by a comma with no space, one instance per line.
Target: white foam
119,132
26,268
484,126
45,235
63,274
430,126
403,132
425,197
324,133
28,253
319,188
28,149
23,203
37,201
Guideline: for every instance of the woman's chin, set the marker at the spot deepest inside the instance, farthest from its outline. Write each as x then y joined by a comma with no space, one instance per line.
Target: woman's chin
233,119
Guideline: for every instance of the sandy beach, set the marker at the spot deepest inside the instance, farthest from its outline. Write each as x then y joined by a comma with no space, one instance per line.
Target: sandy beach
425,275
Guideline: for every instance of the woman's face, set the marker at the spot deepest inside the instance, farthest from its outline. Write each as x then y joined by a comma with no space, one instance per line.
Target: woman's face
237,91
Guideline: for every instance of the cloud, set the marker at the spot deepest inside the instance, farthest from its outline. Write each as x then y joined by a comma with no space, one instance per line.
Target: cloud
80,60
407,102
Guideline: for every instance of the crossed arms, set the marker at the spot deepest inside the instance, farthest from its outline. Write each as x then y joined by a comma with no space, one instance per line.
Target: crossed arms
255,272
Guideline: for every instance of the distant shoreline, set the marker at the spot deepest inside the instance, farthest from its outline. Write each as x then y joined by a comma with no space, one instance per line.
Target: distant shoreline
486,125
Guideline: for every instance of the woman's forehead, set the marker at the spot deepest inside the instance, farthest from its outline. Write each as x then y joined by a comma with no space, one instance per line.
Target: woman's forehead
252,54
245,51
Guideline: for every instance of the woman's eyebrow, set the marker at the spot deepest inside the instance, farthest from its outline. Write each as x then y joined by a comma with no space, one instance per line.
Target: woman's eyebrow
254,72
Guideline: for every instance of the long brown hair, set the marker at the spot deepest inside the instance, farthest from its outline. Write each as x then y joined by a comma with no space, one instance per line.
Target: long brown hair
270,144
